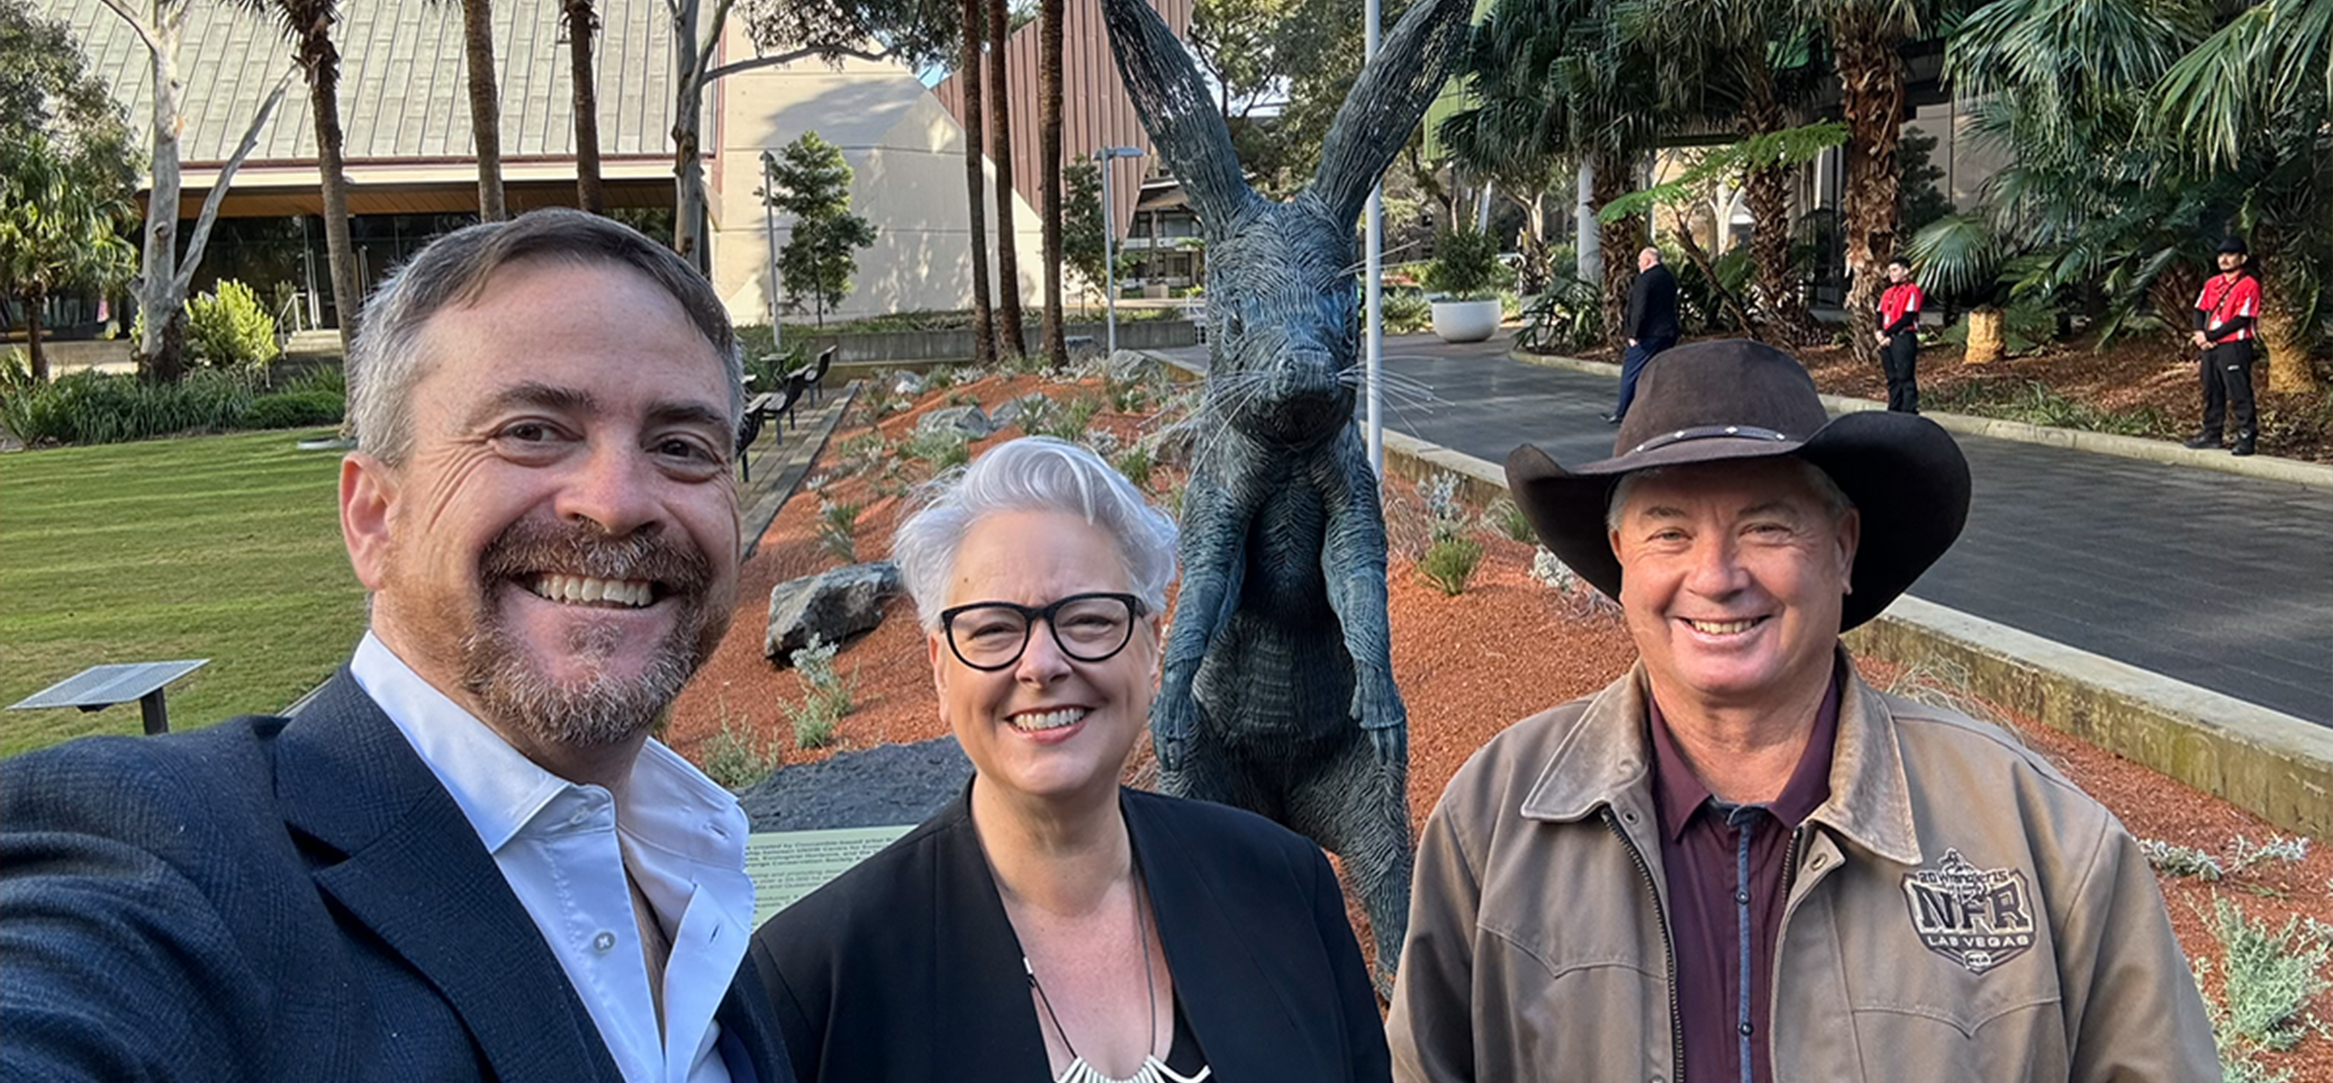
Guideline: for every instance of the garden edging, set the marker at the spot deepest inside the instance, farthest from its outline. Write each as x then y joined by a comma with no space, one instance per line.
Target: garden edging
2270,467
2272,764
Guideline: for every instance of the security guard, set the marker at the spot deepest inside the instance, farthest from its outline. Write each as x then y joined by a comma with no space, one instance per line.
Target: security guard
2224,316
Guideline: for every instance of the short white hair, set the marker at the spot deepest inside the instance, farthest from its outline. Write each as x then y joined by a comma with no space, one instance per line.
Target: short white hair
1833,499
1033,473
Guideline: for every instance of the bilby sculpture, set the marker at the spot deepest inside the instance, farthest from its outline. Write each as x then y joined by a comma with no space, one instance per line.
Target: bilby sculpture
1277,693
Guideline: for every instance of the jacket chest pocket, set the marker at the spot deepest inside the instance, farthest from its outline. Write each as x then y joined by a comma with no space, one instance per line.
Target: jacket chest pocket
1577,1002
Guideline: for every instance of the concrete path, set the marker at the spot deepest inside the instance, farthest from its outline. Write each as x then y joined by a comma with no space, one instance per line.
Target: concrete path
2222,581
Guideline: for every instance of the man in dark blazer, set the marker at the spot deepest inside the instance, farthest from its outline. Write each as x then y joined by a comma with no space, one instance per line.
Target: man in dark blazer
1650,325
462,858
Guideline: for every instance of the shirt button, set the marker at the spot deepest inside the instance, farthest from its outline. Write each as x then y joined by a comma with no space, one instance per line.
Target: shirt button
1746,1029
605,941
1742,897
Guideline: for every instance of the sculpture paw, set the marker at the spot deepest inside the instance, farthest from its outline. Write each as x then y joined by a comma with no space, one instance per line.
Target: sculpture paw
1172,721
1392,745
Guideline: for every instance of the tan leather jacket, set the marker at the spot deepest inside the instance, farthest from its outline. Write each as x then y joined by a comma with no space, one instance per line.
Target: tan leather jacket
1957,911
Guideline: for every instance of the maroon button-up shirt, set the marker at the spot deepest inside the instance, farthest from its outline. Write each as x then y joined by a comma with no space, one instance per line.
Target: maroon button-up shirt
1725,866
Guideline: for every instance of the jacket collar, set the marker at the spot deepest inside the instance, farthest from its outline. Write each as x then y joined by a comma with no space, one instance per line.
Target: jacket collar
1605,759
412,870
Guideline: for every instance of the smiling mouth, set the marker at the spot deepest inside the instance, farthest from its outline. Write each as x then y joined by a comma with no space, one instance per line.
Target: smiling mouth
1724,627
585,590
1040,721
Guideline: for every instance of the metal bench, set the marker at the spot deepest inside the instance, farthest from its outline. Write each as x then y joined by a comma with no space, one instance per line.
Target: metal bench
814,374
100,687
761,408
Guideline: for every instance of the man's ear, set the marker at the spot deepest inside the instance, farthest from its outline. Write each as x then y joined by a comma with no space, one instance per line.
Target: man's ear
368,493
1850,537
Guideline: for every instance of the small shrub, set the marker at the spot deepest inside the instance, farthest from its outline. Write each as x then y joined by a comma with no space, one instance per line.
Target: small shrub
940,378
91,407
941,448
1101,442
827,699
1129,396
1134,462
1066,419
1449,563
859,454
2269,976
2172,859
2244,855
15,370
1406,313
838,530
1507,518
294,410
228,328
734,759
322,379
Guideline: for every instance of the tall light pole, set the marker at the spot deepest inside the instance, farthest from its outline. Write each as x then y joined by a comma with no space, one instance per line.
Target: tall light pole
1374,291
769,222
1109,256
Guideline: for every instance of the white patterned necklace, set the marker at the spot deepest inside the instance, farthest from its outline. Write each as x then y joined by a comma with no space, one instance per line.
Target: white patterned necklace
1153,1070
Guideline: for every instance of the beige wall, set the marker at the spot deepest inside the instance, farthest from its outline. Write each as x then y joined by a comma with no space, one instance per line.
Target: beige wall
907,156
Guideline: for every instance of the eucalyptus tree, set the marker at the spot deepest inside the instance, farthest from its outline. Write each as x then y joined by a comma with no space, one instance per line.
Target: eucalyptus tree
307,24
974,15
165,272
582,23
1011,332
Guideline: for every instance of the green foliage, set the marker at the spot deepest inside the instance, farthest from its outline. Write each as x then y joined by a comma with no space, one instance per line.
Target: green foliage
15,370
2026,327
1135,463
2269,976
1788,147
1083,243
733,758
1465,266
228,328
1507,518
2173,859
856,455
1406,312
1067,419
827,695
1568,317
838,530
940,448
2036,403
1918,200
1450,562
61,215
90,407
812,183
225,548
294,410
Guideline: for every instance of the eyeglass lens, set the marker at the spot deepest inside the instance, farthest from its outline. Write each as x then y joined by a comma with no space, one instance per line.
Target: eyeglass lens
1089,628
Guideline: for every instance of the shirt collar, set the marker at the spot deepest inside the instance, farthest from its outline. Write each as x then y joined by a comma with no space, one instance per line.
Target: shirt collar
1680,793
667,806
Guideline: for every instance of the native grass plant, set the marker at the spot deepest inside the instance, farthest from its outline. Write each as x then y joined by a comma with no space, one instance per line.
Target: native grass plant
91,407
1134,462
2036,403
827,695
879,398
1064,419
2239,856
1102,442
940,378
1449,563
733,757
2268,976
939,449
1131,396
1581,600
2173,859
855,455
1506,517
838,530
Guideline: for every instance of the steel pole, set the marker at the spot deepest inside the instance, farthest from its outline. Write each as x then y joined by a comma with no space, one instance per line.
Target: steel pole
769,222
1374,288
1109,259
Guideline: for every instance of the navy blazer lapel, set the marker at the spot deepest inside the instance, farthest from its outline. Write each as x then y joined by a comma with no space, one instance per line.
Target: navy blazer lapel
750,1043
1240,1015
415,873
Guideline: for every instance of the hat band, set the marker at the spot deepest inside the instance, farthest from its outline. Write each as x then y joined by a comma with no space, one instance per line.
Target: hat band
1707,432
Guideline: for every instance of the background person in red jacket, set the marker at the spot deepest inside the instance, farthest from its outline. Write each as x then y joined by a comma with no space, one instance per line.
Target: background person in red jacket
1899,336
2224,316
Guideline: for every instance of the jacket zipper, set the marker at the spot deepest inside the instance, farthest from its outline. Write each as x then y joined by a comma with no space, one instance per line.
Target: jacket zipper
1774,979
1668,945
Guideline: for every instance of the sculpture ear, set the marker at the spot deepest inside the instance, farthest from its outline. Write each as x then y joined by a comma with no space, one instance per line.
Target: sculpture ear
1388,100
1177,110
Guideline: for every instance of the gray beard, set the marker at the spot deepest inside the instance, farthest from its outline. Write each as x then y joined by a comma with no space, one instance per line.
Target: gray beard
599,710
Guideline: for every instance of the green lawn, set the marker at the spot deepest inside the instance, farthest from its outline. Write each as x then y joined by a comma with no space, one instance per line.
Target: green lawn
221,547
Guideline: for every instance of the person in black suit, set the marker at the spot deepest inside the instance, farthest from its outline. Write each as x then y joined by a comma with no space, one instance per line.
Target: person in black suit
463,858
1053,924
1651,324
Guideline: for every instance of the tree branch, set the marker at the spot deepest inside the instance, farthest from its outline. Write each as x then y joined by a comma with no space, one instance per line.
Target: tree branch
790,57
145,33
697,81
218,192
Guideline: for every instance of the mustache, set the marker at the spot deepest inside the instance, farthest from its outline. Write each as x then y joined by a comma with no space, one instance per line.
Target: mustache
532,546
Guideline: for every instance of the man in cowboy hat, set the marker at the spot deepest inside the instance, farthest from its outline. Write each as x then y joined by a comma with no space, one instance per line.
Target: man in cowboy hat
1740,861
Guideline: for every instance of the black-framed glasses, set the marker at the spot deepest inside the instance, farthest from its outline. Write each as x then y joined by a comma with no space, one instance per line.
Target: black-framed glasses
1087,627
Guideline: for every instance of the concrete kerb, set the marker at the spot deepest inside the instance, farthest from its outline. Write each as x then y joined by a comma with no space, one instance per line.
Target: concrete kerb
2275,765
2293,471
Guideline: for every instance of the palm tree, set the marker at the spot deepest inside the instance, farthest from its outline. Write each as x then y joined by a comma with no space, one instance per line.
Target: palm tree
2255,101
975,16
307,24
1049,166
485,105
1010,333
58,230
590,193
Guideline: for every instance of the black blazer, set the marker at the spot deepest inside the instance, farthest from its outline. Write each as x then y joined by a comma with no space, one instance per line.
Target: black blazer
268,900
905,969
1652,305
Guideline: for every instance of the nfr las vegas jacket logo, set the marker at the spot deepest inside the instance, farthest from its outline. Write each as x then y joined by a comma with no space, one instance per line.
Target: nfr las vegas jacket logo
1979,918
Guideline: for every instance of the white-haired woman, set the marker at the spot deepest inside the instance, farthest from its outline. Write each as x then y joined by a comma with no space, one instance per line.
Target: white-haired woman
1052,925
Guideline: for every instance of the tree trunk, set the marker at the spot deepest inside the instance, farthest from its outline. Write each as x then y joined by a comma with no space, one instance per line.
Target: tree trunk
1012,337
485,105
1619,242
1050,13
975,15
2287,342
688,167
590,193
322,62
157,350
1871,84
1774,291
1985,342
36,298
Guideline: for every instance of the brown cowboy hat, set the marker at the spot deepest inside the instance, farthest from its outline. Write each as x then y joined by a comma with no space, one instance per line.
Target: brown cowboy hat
1735,399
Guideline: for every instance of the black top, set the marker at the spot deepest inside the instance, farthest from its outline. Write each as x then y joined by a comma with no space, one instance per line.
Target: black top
906,968
1652,305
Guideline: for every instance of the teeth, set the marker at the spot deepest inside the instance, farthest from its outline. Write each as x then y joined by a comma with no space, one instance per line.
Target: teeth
1047,720
583,590
1721,627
